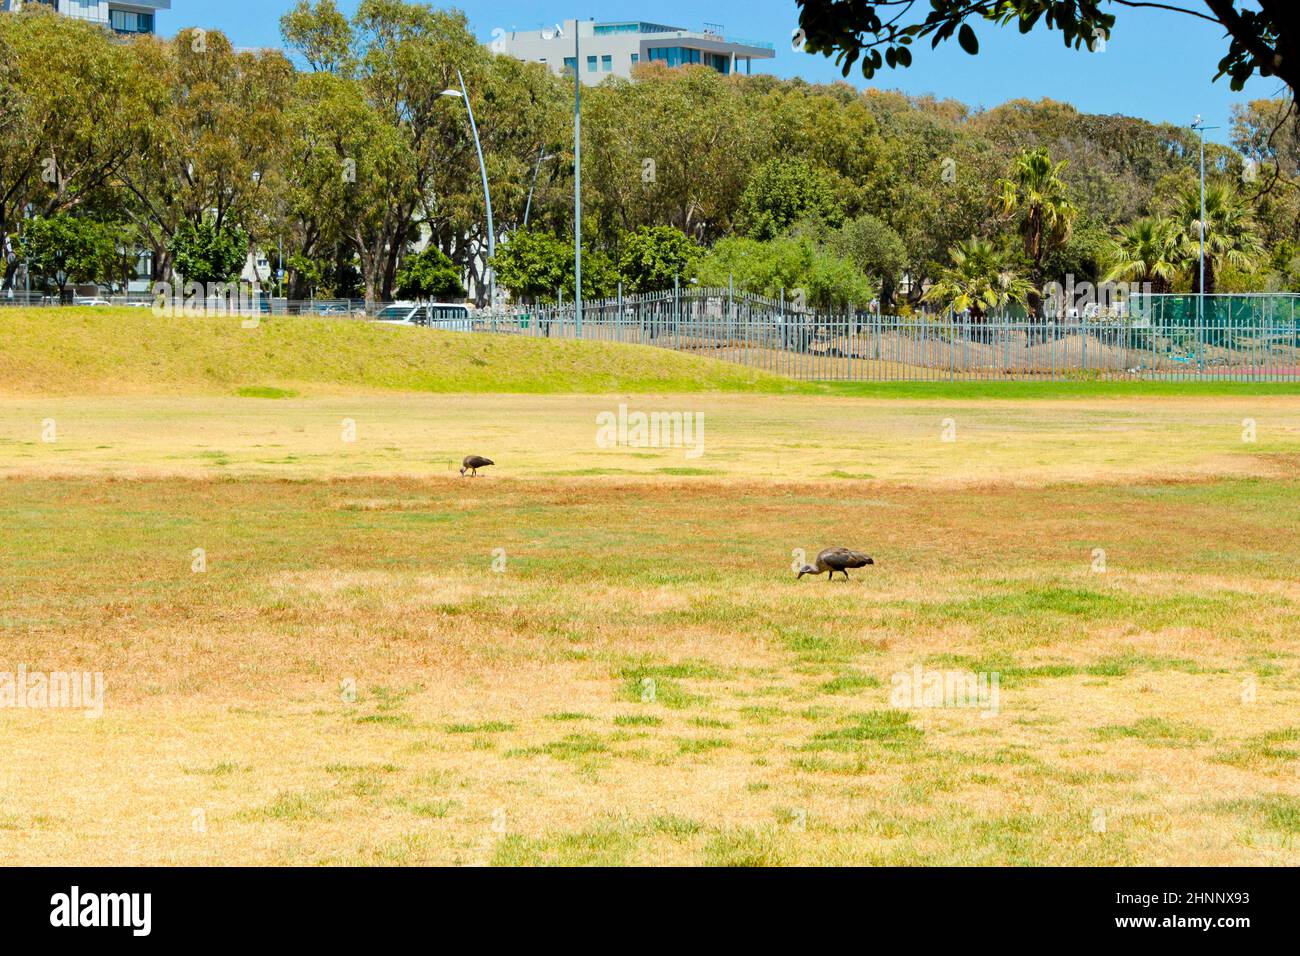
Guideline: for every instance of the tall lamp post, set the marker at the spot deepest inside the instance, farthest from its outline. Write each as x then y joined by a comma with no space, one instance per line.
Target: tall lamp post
1199,125
542,156
577,182
487,196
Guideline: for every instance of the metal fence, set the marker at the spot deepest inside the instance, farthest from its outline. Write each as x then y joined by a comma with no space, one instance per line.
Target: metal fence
1152,337
1162,337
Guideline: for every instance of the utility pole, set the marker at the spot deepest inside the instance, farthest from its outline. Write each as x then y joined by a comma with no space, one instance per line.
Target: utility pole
577,181
487,195
542,156
1200,127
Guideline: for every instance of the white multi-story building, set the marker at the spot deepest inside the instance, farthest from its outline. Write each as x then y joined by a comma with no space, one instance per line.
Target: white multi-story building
612,49
128,16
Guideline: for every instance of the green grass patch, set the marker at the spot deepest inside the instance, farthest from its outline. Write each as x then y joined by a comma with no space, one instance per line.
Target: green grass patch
637,720
1276,811
486,727
888,728
609,845
1156,732
848,681
744,847
264,391
289,807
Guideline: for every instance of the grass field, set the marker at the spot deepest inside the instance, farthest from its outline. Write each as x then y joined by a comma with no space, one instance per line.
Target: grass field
601,655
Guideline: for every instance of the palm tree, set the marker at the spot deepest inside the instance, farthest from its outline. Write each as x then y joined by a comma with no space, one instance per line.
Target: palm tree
1036,190
978,280
1230,238
1146,251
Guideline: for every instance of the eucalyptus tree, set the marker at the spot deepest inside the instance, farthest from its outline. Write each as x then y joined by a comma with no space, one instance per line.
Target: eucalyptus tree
212,140
68,110
674,147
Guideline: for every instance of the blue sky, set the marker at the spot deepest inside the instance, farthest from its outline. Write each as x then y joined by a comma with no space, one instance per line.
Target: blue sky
1158,65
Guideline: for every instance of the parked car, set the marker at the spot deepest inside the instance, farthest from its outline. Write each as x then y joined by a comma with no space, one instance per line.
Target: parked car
88,300
403,313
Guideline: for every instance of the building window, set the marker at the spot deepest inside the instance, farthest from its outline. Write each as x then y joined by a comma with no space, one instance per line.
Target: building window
570,64
591,64
636,58
674,55
606,64
127,21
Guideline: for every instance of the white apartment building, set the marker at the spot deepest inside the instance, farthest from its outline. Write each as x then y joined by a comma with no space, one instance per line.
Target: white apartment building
128,16
612,49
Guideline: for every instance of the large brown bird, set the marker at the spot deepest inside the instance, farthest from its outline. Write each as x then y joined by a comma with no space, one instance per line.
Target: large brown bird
835,559
473,463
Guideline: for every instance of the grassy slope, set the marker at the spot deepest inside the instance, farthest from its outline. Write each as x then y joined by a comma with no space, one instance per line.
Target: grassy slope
114,351
86,351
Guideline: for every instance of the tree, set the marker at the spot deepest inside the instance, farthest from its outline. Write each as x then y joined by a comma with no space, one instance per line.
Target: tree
63,250
1036,191
208,252
210,141
876,250
534,265
348,178
429,275
1146,251
793,266
323,35
1263,41
675,147
650,257
783,192
69,107
1230,238
978,280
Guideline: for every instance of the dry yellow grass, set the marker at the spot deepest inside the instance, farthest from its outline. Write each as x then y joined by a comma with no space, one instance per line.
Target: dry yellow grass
1147,712
745,437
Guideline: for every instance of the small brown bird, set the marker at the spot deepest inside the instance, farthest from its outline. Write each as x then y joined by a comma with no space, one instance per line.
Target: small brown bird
835,559
473,463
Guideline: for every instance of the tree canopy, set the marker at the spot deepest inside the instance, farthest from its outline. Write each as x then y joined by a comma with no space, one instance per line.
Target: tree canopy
355,165
883,34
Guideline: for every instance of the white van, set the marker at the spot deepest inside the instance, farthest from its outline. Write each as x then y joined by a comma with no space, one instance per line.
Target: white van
447,316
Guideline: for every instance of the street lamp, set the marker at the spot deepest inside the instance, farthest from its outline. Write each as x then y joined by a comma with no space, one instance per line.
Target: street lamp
1199,125
542,156
487,196
577,181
